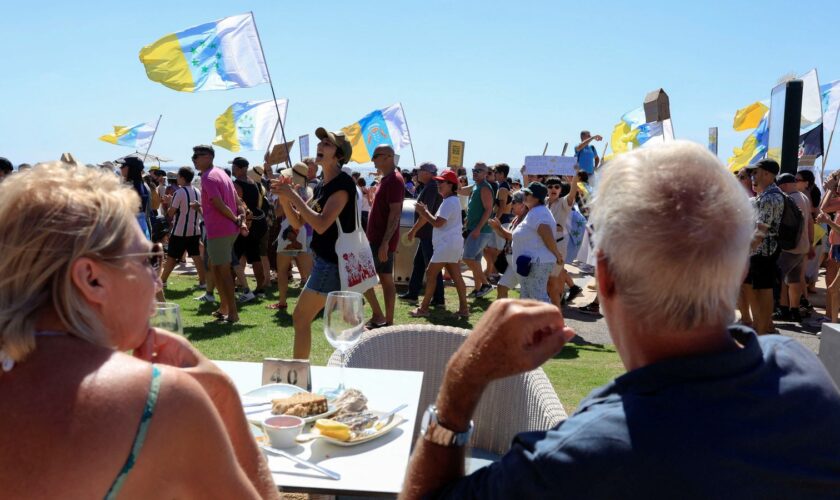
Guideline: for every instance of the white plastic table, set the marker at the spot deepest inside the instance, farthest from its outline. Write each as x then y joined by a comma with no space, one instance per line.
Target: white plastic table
374,468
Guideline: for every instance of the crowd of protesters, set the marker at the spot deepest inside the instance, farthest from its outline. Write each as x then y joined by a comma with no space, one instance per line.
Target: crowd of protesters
508,231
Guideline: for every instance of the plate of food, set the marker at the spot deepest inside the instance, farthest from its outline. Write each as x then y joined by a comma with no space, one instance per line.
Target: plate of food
364,428
353,423
284,399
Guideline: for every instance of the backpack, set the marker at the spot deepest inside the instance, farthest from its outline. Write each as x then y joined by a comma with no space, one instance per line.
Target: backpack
791,224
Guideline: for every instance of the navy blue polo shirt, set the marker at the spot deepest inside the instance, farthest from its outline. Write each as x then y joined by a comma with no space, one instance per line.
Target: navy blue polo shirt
757,422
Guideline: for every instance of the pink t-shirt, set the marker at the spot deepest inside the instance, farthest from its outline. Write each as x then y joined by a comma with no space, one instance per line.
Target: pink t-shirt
216,184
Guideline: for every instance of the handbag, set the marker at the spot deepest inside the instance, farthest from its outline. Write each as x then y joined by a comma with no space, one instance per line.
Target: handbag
356,269
523,265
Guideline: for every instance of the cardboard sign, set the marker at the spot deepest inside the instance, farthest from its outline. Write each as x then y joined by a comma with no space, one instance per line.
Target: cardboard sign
550,165
280,153
713,140
303,145
455,154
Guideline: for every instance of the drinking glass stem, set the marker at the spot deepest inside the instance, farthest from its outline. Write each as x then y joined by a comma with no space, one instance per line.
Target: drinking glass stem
341,374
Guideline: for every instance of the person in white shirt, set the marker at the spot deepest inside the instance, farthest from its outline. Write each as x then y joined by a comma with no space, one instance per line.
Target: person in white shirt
448,243
535,251
561,207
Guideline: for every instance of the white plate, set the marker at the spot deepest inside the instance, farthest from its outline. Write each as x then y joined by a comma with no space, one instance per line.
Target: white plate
397,420
258,414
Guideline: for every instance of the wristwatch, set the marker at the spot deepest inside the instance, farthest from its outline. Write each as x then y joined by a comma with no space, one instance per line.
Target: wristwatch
432,431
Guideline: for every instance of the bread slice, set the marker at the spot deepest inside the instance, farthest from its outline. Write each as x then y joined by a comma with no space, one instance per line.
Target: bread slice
303,404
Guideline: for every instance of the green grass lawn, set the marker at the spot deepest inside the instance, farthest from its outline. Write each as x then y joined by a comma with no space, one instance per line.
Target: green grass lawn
263,333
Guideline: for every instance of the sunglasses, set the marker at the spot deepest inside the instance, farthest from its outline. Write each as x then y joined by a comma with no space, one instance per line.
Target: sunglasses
199,155
154,257
554,186
378,155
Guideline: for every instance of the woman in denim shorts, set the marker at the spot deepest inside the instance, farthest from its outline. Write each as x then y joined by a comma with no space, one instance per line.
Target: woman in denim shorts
334,202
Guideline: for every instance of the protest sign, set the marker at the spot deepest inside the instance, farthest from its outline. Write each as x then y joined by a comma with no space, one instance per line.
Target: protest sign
549,165
303,145
280,153
455,154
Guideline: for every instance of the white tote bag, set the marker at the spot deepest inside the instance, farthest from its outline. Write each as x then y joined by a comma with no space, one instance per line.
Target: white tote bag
355,259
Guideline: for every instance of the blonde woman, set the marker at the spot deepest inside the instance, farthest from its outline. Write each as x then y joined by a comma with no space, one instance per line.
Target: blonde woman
80,417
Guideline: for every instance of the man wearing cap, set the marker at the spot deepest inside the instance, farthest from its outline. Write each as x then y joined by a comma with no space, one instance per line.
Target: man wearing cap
383,233
792,262
769,204
478,233
430,197
222,224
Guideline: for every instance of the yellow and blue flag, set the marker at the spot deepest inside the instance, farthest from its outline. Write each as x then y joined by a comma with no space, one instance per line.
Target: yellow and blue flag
381,127
754,147
249,125
624,134
219,55
137,137
750,116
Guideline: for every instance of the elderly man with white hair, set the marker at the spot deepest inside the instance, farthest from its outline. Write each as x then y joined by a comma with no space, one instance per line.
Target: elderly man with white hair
705,410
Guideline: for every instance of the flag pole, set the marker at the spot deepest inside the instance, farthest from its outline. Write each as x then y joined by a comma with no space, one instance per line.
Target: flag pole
828,146
152,139
410,140
545,148
273,94
565,147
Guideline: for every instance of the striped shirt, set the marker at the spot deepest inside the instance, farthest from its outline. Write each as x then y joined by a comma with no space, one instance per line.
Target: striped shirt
187,221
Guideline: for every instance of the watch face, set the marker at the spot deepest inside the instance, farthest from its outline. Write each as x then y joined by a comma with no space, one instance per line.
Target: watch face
427,419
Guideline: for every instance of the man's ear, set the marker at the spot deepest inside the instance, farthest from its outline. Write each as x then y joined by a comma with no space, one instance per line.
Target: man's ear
604,278
90,280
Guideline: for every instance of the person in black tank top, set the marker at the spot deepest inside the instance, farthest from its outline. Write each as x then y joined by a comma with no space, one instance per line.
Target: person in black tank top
334,202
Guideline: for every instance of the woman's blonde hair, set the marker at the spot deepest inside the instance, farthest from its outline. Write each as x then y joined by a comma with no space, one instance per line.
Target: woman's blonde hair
52,215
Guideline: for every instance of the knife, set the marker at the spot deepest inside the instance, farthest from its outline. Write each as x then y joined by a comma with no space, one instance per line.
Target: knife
305,463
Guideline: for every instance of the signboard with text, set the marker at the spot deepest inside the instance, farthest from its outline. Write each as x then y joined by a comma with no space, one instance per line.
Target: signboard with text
303,145
455,154
550,165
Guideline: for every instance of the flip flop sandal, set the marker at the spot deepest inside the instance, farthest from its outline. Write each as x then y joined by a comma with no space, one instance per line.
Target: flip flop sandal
419,313
277,307
460,315
370,325
217,314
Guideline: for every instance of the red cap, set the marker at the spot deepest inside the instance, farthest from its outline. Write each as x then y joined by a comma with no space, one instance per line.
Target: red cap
448,176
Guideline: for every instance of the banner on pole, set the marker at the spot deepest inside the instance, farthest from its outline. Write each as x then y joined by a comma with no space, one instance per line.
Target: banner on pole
280,153
303,145
713,140
549,165
455,154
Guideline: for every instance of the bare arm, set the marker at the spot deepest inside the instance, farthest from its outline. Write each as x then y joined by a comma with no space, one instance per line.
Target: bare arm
464,191
501,231
216,398
513,336
504,200
394,213
573,190
547,236
425,216
830,203
224,209
487,203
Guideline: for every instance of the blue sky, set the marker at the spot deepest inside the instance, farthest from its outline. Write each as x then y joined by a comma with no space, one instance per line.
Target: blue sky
506,77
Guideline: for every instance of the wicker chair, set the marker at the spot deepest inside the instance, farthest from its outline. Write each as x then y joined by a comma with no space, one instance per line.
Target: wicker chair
524,402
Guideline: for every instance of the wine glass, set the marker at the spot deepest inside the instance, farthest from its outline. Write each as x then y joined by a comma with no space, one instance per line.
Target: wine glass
168,317
344,322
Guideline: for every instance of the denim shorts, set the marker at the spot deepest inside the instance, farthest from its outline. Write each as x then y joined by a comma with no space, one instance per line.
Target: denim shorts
474,247
324,277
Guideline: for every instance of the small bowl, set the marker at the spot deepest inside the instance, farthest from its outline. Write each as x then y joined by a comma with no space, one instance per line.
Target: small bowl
282,430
